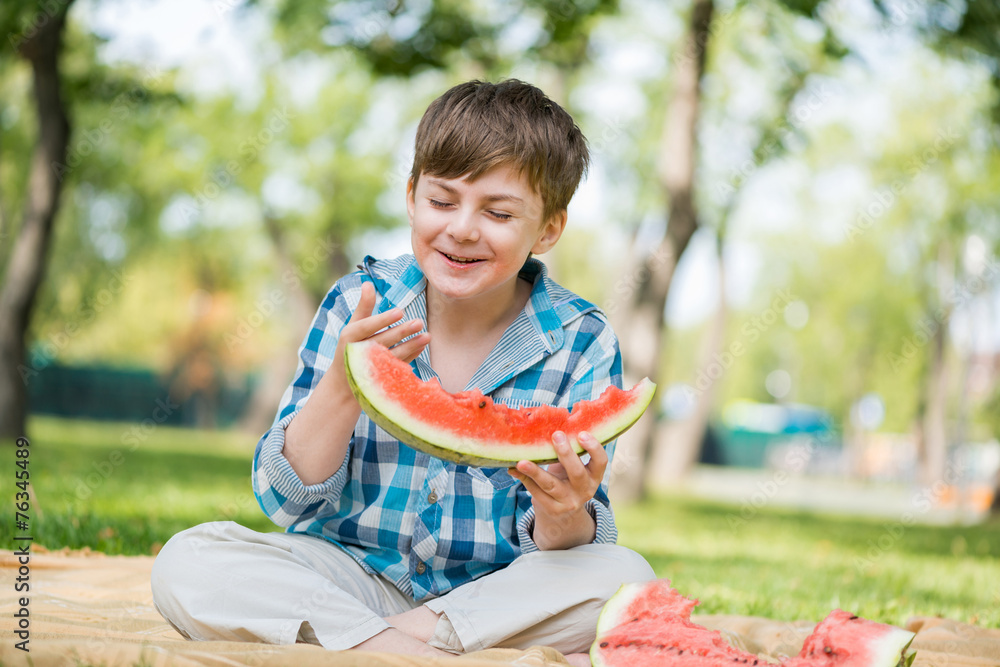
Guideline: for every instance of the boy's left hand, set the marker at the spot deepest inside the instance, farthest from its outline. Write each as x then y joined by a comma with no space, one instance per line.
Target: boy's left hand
561,492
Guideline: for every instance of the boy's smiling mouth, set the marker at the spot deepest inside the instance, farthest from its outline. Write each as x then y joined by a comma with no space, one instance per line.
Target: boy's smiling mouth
461,260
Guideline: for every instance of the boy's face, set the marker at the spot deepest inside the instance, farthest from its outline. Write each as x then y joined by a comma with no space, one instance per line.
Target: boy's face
471,238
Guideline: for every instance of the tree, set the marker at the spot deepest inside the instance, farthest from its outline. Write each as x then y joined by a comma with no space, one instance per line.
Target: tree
38,28
679,166
642,338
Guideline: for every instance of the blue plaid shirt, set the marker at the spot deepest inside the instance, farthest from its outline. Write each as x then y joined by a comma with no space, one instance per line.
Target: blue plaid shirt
379,506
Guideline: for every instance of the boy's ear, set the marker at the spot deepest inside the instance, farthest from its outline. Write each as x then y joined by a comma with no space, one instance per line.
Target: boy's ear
411,201
552,229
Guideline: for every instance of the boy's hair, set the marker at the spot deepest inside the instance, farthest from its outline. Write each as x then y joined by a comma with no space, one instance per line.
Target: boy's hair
477,126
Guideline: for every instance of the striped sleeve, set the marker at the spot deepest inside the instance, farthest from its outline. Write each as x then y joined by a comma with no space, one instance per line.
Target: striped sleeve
278,489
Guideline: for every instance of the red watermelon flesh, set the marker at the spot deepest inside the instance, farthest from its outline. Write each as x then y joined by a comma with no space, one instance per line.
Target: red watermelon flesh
645,625
847,640
470,428
648,625
668,641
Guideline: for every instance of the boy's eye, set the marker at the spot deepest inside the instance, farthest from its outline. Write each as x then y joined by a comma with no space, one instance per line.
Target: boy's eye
438,204
501,216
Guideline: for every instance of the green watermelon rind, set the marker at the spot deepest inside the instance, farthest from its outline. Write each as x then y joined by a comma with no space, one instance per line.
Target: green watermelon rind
382,410
891,649
893,654
612,615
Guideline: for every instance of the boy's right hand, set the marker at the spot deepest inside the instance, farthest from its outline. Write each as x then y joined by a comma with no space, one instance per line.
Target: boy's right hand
317,438
365,326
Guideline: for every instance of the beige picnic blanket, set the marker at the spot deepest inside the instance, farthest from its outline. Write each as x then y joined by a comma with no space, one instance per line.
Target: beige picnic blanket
91,609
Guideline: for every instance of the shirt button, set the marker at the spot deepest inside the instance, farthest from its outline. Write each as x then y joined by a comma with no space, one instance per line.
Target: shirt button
421,568
432,497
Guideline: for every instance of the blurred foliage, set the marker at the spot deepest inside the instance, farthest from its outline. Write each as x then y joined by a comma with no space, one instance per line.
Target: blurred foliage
217,211
401,39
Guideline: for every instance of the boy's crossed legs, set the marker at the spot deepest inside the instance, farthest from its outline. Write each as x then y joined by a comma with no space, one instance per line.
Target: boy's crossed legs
222,581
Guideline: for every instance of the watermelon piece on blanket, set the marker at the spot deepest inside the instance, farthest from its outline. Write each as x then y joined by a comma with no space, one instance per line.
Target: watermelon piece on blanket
649,625
469,428
844,639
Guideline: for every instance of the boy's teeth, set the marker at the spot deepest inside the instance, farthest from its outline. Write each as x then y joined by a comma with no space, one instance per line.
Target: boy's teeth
461,260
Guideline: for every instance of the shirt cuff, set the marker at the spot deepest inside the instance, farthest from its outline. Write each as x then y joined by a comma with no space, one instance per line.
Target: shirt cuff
607,531
282,495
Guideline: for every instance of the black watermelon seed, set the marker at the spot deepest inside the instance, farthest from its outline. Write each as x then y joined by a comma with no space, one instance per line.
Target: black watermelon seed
482,404
827,650
604,644
852,618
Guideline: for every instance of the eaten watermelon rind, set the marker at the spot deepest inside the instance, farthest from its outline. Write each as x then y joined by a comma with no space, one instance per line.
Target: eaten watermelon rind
388,413
611,616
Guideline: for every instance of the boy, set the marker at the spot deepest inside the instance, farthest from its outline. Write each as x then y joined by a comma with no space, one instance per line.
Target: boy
389,549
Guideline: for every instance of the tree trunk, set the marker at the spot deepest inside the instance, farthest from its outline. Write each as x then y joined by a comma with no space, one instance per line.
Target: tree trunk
935,432
685,449
934,446
643,331
28,262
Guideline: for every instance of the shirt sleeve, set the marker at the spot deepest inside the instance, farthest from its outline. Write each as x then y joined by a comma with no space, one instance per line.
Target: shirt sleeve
600,367
280,492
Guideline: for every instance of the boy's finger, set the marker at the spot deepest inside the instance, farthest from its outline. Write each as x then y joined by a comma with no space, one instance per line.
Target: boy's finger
367,327
598,456
534,490
412,348
539,477
366,304
393,335
576,471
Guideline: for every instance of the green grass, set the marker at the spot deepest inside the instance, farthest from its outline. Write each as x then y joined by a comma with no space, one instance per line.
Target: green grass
93,490
794,565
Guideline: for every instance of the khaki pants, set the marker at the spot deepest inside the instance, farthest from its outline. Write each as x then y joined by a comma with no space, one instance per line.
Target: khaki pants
222,581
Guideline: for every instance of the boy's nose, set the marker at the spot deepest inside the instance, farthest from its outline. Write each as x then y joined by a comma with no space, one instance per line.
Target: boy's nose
462,227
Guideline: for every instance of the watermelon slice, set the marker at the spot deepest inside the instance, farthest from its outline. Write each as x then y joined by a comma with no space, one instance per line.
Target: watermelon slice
844,639
469,428
649,625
